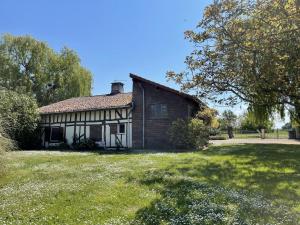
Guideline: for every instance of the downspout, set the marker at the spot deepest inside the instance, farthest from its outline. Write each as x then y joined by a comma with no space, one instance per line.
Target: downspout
143,127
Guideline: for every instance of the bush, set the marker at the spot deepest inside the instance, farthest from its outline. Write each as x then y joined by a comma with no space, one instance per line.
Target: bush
87,144
6,144
61,146
217,138
214,131
188,134
19,118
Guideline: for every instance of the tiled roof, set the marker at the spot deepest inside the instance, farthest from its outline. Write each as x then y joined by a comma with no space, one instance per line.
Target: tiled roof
88,103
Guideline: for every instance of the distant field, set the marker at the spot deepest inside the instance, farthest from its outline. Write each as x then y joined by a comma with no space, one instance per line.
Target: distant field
242,184
281,134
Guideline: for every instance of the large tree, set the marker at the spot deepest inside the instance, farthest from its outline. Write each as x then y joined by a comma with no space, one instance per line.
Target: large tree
32,67
19,118
246,50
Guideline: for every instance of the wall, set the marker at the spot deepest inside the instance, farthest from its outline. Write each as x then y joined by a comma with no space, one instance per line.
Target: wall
82,120
156,129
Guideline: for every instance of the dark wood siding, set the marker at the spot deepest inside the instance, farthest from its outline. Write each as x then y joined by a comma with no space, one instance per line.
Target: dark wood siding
156,128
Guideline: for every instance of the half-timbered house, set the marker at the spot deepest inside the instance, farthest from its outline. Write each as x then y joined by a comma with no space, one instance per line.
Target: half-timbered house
138,119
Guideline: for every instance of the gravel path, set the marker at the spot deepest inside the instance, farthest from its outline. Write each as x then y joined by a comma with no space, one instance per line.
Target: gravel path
256,141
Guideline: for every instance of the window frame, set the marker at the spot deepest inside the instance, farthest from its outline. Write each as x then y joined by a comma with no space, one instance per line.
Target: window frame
160,112
56,140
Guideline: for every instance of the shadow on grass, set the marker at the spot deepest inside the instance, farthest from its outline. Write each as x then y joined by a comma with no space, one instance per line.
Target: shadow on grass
244,184
118,151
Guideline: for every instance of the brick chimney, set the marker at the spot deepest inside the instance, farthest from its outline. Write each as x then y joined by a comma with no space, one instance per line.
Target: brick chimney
116,88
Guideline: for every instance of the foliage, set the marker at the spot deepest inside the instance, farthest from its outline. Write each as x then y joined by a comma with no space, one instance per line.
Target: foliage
209,117
219,137
250,122
228,119
287,126
19,118
6,144
204,187
32,67
246,51
86,144
60,146
214,131
188,134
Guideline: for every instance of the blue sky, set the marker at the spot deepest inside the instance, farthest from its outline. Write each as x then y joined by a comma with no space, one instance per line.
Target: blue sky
112,37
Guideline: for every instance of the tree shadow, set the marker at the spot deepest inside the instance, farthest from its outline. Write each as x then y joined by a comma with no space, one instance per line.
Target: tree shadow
245,184
116,151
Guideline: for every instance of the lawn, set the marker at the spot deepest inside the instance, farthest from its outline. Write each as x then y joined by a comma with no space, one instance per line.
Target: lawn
275,134
242,184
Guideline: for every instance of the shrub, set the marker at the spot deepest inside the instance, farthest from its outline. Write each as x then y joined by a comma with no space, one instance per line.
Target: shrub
188,134
217,138
6,144
61,146
86,144
214,131
19,118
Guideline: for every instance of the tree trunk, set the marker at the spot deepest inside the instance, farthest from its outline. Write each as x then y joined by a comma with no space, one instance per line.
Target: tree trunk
297,132
263,134
230,132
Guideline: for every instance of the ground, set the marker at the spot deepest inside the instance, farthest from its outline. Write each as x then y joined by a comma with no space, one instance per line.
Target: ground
232,184
255,141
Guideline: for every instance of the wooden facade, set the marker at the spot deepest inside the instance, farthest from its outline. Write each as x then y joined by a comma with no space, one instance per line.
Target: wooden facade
140,119
76,126
155,108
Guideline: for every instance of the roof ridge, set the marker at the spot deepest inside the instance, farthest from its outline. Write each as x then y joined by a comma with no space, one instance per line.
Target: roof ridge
95,96
192,97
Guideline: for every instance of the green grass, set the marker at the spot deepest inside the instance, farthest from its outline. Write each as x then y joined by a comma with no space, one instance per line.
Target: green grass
280,134
242,184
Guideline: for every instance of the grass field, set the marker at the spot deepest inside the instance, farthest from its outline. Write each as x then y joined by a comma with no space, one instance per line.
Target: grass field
242,184
276,134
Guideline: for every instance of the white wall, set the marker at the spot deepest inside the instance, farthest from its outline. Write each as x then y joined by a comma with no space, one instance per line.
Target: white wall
108,138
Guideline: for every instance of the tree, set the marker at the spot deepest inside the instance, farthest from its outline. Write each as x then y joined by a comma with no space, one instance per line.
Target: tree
228,121
209,117
30,67
246,51
19,118
287,126
188,134
250,122
6,144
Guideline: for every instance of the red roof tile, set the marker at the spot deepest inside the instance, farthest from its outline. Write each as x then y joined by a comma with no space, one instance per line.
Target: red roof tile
88,103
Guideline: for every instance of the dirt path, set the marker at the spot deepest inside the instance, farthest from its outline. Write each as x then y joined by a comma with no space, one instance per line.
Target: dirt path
255,141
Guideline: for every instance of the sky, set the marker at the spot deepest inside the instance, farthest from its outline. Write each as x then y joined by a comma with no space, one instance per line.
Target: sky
112,37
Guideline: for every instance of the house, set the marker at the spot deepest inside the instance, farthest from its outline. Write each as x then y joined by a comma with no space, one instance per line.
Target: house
139,119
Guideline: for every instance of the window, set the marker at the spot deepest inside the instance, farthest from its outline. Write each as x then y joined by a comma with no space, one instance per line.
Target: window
47,133
158,111
96,132
121,128
113,128
57,134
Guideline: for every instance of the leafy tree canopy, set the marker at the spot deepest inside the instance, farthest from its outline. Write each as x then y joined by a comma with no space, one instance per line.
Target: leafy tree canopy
228,119
246,51
19,118
287,126
31,67
209,117
250,122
